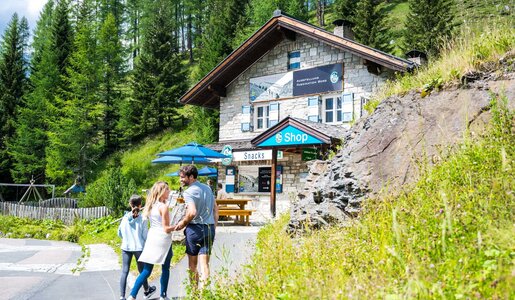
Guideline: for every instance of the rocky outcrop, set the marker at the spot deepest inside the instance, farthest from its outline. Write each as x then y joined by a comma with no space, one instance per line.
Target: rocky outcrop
387,149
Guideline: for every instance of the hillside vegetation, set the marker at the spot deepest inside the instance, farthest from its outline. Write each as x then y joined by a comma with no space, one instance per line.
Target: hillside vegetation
472,52
449,236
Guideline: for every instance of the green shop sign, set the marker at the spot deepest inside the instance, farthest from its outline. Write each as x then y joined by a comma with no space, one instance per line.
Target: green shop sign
309,154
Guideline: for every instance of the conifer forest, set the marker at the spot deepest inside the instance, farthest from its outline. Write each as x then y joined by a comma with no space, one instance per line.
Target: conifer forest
94,77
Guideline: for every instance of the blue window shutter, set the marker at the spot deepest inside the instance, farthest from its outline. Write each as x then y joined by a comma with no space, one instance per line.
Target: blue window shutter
294,60
246,118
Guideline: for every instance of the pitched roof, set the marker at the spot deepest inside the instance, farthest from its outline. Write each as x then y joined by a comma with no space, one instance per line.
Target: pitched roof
208,90
236,145
323,132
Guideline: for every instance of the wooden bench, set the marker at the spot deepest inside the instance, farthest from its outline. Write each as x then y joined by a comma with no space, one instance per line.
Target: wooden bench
244,213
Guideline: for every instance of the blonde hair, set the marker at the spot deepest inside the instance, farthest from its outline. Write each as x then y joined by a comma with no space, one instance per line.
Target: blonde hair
158,189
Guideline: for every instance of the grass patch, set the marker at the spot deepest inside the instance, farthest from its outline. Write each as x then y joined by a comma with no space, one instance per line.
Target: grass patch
450,236
470,53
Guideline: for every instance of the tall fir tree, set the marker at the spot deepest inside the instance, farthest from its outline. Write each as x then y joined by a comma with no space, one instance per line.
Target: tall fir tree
73,139
159,78
217,43
13,83
260,11
30,140
110,90
62,40
346,9
371,24
429,24
216,39
61,44
116,9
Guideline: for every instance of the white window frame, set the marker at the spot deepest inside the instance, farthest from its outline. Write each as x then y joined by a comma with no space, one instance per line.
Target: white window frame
334,110
265,117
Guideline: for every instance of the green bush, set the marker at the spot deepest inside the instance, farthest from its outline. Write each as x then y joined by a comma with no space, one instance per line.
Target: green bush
112,190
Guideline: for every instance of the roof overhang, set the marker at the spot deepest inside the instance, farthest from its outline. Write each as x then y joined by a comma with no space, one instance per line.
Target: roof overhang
292,133
208,90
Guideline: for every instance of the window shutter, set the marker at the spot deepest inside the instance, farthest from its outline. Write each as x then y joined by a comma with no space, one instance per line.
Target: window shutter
273,117
348,107
294,60
314,104
246,118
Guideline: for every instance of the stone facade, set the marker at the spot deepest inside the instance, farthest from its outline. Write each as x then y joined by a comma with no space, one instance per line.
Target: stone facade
356,79
295,172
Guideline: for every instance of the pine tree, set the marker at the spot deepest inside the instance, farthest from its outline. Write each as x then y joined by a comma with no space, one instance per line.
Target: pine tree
73,139
371,25
159,76
13,82
429,24
216,40
217,43
346,9
30,140
110,93
260,11
62,39
116,9
58,152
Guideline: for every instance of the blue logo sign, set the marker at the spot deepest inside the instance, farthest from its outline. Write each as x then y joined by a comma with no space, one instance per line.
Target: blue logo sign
334,77
278,138
290,136
227,150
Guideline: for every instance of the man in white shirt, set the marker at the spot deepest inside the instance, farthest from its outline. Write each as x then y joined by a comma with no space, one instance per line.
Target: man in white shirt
220,193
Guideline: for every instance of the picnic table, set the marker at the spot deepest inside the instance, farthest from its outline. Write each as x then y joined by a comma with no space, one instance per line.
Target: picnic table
235,207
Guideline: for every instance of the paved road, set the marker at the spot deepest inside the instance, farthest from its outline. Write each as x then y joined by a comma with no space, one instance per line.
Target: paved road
40,269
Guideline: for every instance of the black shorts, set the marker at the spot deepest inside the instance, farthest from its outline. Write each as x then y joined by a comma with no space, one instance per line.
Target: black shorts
199,238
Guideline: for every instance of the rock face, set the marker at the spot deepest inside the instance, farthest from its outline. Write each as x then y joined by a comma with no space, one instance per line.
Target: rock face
386,149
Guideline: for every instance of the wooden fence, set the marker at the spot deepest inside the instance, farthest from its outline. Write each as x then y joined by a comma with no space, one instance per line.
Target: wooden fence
53,202
67,215
60,202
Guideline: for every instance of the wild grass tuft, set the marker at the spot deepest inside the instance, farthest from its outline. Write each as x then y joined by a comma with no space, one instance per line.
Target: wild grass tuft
471,52
449,236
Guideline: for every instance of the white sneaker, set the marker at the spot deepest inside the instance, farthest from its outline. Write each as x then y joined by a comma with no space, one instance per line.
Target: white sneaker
165,298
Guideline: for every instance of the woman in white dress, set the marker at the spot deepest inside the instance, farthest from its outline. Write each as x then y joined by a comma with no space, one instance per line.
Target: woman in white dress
157,249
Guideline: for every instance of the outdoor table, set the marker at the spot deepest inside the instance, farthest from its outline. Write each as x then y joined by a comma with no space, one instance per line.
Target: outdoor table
239,212
240,202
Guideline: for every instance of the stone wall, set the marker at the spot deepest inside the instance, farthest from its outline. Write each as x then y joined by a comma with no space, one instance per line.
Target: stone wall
356,79
294,178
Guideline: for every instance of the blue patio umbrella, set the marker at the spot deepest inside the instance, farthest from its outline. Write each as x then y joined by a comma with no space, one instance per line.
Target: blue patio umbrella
180,160
205,171
193,152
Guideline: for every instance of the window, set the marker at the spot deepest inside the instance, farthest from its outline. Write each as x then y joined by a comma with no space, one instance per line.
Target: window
332,106
262,114
294,60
